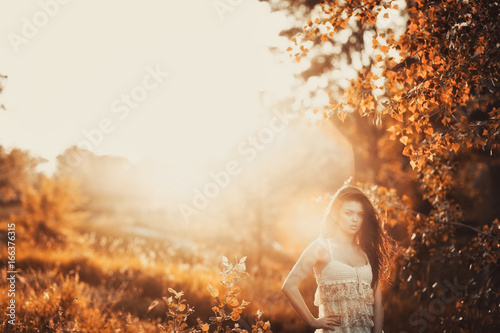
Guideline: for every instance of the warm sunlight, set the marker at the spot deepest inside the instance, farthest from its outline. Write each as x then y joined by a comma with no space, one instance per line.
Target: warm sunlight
114,92
241,166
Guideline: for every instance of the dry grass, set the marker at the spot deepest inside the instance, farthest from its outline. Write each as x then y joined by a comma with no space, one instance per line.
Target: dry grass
98,282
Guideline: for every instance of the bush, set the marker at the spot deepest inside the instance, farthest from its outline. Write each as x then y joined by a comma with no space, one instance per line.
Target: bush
227,309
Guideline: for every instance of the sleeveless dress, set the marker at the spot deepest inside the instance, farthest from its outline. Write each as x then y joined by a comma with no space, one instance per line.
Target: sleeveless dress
345,290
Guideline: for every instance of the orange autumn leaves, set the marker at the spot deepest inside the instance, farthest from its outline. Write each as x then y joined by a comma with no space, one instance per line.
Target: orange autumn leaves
428,77
227,308
433,93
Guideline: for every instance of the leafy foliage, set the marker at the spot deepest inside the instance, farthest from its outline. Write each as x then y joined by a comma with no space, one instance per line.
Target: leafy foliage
227,307
178,312
432,94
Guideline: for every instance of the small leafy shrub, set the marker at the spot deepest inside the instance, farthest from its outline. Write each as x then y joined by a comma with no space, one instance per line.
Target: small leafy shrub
227,309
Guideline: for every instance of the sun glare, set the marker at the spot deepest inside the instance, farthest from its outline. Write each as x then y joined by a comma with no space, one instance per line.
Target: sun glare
184,103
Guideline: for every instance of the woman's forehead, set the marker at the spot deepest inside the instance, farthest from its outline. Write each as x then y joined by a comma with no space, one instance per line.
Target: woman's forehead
352,205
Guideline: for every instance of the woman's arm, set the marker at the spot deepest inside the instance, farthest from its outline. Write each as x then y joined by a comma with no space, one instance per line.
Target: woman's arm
314,253
378,310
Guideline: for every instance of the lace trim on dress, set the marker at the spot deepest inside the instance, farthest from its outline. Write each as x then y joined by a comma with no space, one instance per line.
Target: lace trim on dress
352,312
361,320
349,308
343,290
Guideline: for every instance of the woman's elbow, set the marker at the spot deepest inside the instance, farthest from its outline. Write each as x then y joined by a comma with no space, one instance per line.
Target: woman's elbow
287,287
284,287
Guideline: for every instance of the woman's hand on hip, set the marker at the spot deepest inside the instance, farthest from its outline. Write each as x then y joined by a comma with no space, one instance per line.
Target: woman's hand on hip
329,322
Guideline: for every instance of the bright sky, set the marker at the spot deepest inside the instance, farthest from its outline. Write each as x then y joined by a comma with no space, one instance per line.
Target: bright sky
71,67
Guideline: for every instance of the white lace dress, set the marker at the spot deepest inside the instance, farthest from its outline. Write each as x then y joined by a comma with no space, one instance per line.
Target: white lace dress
345,290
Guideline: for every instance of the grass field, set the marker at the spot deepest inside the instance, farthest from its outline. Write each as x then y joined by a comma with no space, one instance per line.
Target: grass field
104,278
90,277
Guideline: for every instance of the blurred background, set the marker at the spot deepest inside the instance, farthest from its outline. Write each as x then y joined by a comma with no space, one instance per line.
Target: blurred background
142,142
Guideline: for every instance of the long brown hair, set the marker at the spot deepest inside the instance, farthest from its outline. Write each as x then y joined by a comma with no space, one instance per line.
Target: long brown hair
372,237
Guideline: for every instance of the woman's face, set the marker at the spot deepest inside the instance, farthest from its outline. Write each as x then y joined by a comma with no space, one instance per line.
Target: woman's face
350,217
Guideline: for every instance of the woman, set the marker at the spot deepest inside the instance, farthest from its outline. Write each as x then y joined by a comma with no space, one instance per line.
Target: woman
349,260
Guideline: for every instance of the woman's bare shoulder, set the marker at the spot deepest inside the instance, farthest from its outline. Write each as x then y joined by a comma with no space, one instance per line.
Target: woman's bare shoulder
319,248
320,241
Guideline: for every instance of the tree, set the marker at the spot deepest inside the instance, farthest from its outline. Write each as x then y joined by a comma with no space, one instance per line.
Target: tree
431,96
17,173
